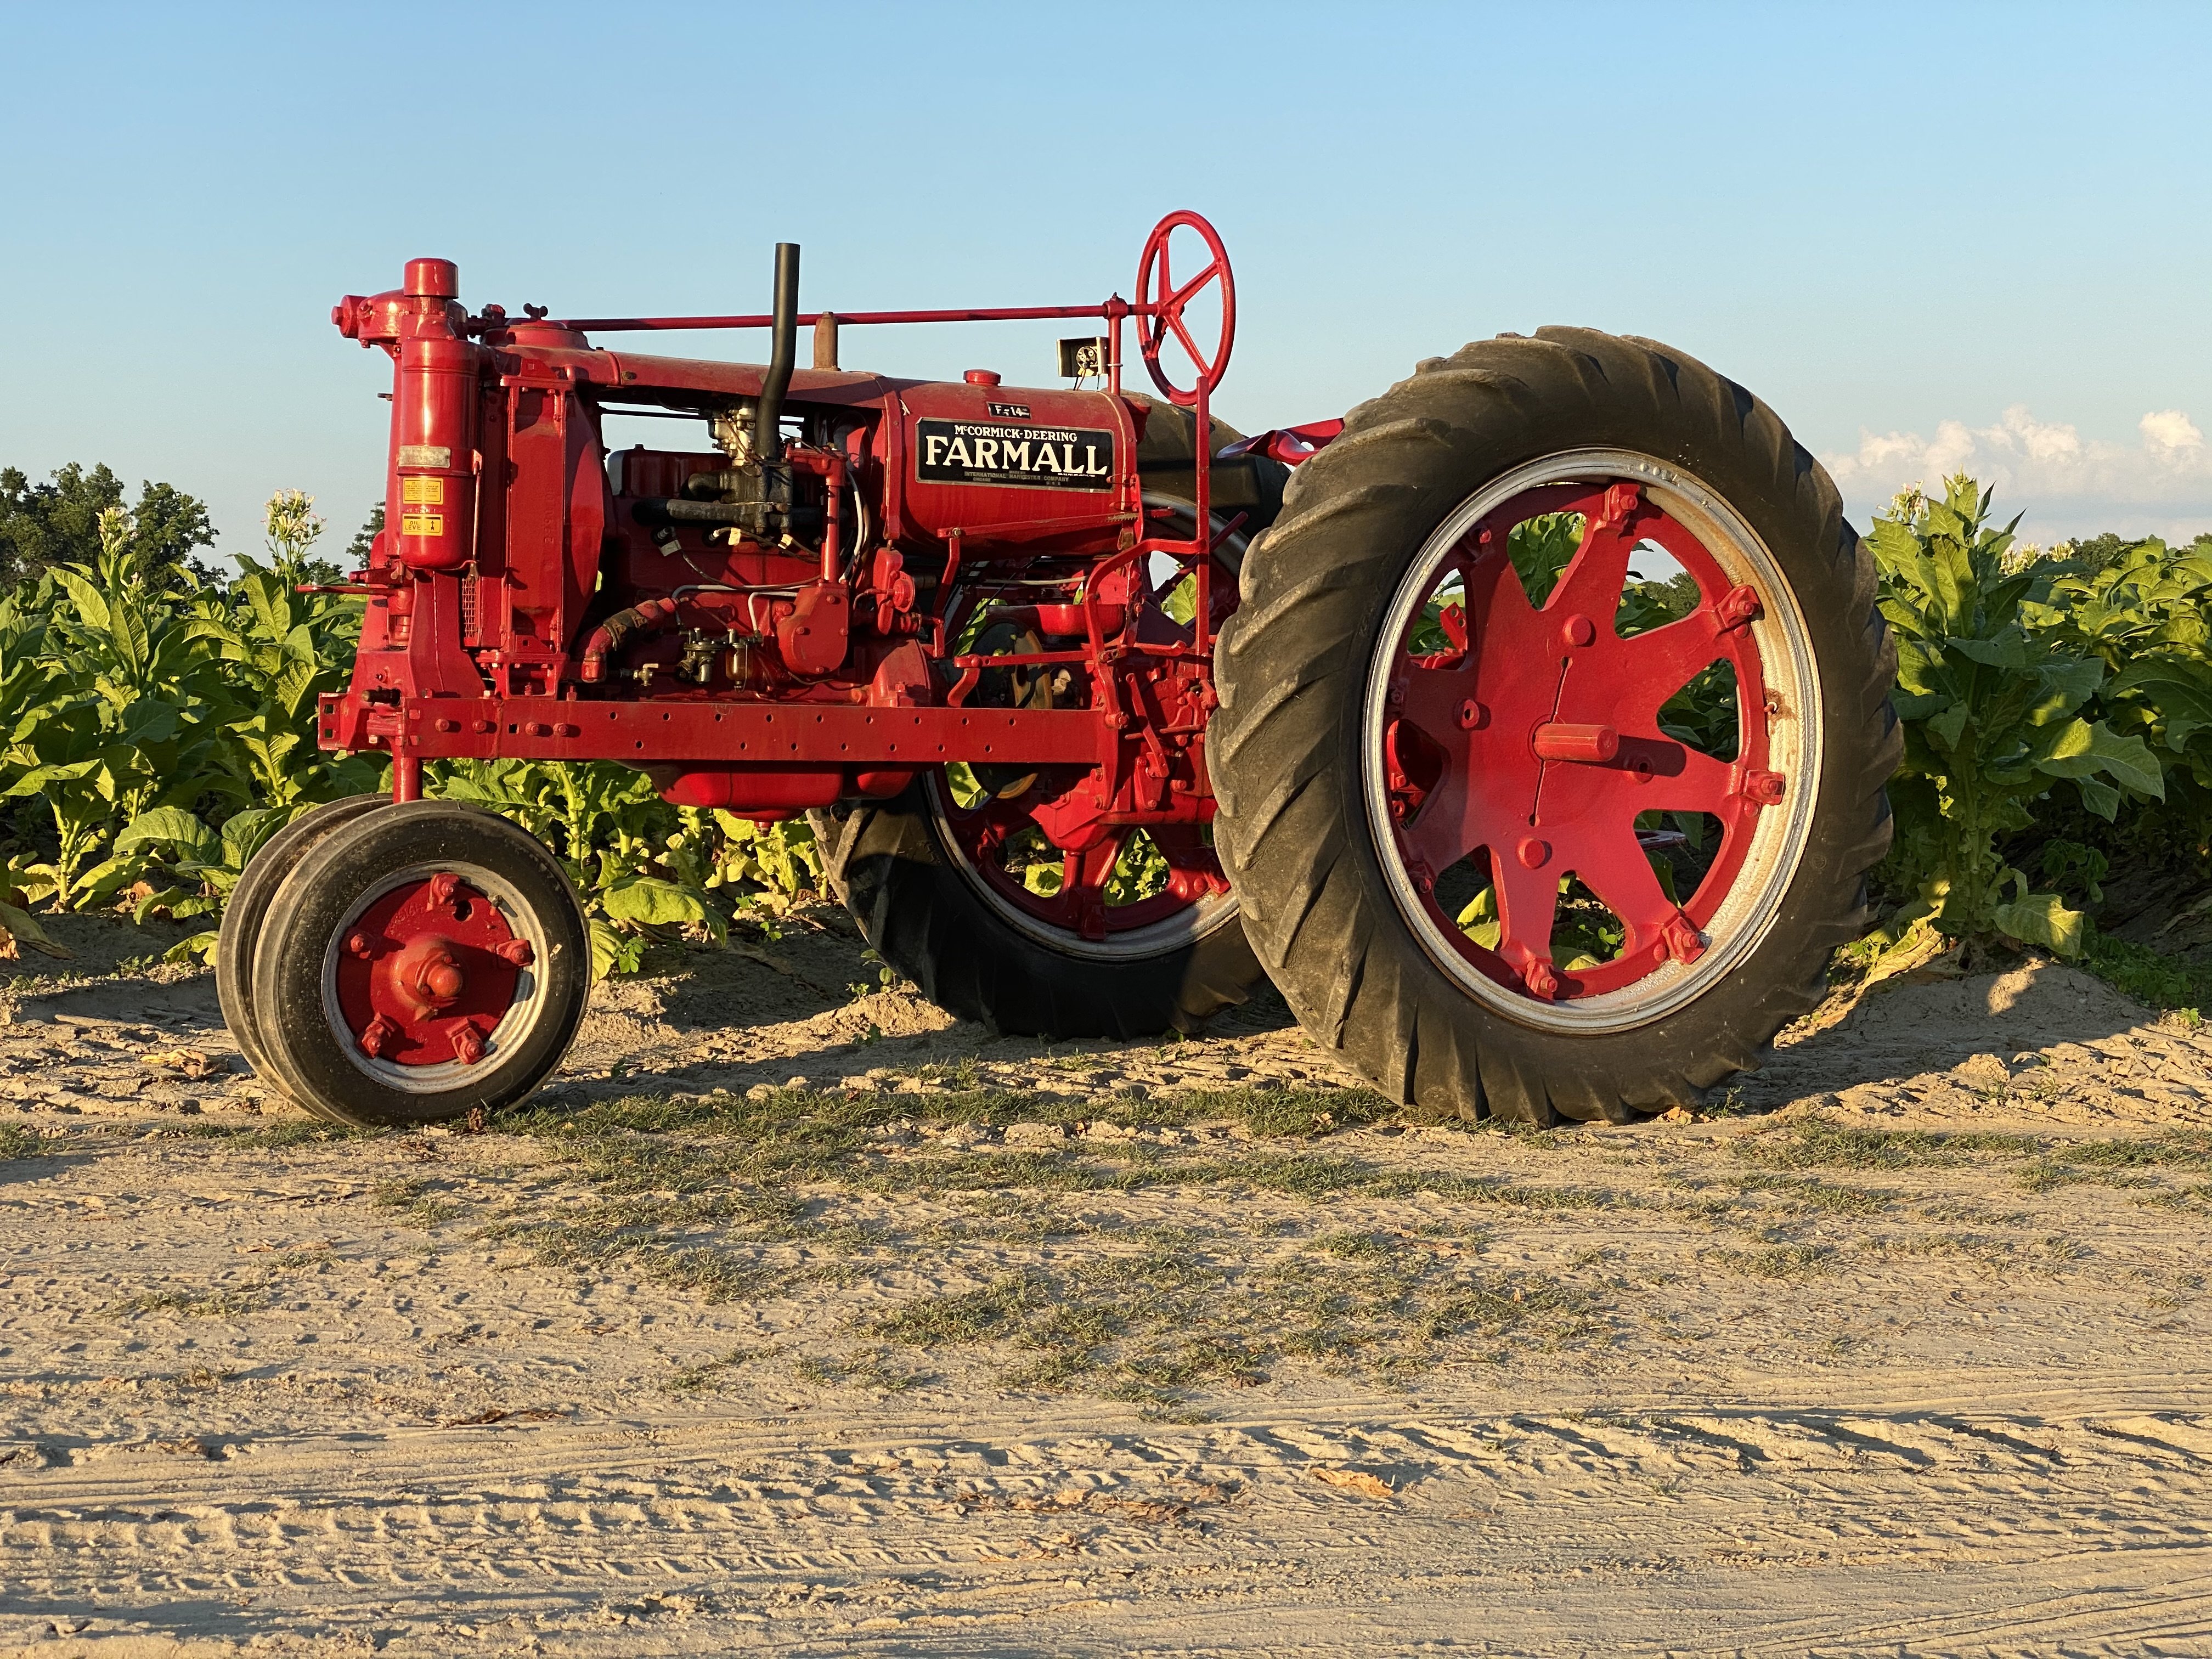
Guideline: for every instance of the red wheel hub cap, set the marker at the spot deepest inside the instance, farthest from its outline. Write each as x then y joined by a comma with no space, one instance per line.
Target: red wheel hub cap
1531,744
428,972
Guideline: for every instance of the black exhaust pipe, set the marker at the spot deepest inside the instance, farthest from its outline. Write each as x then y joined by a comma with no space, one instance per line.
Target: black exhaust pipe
768,443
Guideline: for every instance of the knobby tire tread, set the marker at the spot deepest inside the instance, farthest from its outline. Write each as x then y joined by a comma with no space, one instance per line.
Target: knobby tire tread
1284,746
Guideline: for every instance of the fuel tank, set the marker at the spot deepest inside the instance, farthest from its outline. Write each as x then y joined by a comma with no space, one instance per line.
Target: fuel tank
1011,465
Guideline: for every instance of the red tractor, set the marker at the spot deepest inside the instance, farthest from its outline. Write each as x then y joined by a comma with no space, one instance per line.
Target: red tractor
1527,726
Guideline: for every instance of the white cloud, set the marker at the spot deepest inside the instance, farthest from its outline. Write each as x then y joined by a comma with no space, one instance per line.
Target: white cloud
2062,483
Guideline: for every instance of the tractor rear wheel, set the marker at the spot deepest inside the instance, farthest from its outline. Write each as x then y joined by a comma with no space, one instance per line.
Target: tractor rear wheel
919,874
1554,731
417,964
960,884
243,916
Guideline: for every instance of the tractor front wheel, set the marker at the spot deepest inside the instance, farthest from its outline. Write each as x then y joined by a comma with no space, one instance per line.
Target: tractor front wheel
1554,731
419,963
242,919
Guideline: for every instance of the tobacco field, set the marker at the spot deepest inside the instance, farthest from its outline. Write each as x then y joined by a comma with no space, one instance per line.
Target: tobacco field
156,726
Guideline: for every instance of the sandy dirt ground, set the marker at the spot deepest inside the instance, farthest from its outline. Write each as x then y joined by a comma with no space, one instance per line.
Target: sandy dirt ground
799,1318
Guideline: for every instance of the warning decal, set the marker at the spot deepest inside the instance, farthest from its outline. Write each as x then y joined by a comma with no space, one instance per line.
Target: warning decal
1016,457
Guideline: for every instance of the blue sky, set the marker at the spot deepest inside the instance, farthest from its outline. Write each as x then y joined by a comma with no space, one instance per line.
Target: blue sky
1929,236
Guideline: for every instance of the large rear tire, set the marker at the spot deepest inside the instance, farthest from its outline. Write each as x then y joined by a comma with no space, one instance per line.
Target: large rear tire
1418,746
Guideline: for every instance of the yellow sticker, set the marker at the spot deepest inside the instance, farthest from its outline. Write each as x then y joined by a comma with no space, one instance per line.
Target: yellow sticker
422,524
432,490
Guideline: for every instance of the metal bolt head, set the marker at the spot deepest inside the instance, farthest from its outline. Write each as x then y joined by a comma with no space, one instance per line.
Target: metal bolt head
443,886
1541,979
516,950
468,1045
1682,940
1737,607
378,1037
1764,788
359,944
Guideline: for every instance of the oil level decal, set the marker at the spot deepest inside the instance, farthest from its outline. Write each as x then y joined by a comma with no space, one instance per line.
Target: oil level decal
1022,457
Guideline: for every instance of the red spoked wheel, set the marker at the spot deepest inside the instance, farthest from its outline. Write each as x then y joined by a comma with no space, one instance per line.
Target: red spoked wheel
1001,890
1163,303
422,960
1037,846
1592,697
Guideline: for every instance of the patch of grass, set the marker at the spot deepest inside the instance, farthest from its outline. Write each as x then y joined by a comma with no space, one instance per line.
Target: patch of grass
1279,1112
1362,1246
2118,1163
2149,975
2049,1250
692,1379
1821,1195
19,1141
1816,1143
227,1302
1776,1261
275,1136
869,1371
1152,1328
411,1201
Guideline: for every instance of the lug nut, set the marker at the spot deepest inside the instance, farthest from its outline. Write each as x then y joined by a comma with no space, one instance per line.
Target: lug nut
516,950
1541,980
443,886
1764,788
468,1045
1682,940
379,1036
358,945
1737,607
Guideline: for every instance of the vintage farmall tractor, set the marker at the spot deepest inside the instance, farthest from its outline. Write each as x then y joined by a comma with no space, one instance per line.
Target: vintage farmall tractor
1527,726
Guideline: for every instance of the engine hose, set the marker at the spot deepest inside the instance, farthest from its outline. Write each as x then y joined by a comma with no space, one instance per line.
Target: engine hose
651,614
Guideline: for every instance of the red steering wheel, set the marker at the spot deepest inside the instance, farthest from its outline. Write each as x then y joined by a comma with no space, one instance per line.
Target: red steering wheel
1161,306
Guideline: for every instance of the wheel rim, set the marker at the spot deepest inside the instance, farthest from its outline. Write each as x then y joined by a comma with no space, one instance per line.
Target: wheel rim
1510,745
1095,910
1086,914
433,976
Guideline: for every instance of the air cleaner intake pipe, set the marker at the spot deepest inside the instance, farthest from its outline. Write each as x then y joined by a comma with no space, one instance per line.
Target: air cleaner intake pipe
767,444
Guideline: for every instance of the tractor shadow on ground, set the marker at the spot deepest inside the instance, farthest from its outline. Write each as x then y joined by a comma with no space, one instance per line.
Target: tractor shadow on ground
1901,1030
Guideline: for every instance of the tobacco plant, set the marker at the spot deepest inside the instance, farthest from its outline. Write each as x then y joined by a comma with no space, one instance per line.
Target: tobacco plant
1993,711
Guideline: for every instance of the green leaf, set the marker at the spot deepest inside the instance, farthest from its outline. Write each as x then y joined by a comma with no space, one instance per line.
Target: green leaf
20,927
651,902
2042,919
2127,760
613,952
175,828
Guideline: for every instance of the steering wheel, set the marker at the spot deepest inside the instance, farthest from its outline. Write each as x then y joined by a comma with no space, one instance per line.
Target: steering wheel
1160,306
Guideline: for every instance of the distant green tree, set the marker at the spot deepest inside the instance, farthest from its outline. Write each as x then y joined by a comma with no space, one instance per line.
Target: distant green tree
364,539
57,523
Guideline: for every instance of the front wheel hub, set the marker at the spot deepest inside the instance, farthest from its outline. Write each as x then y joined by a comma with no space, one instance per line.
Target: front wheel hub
427,972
